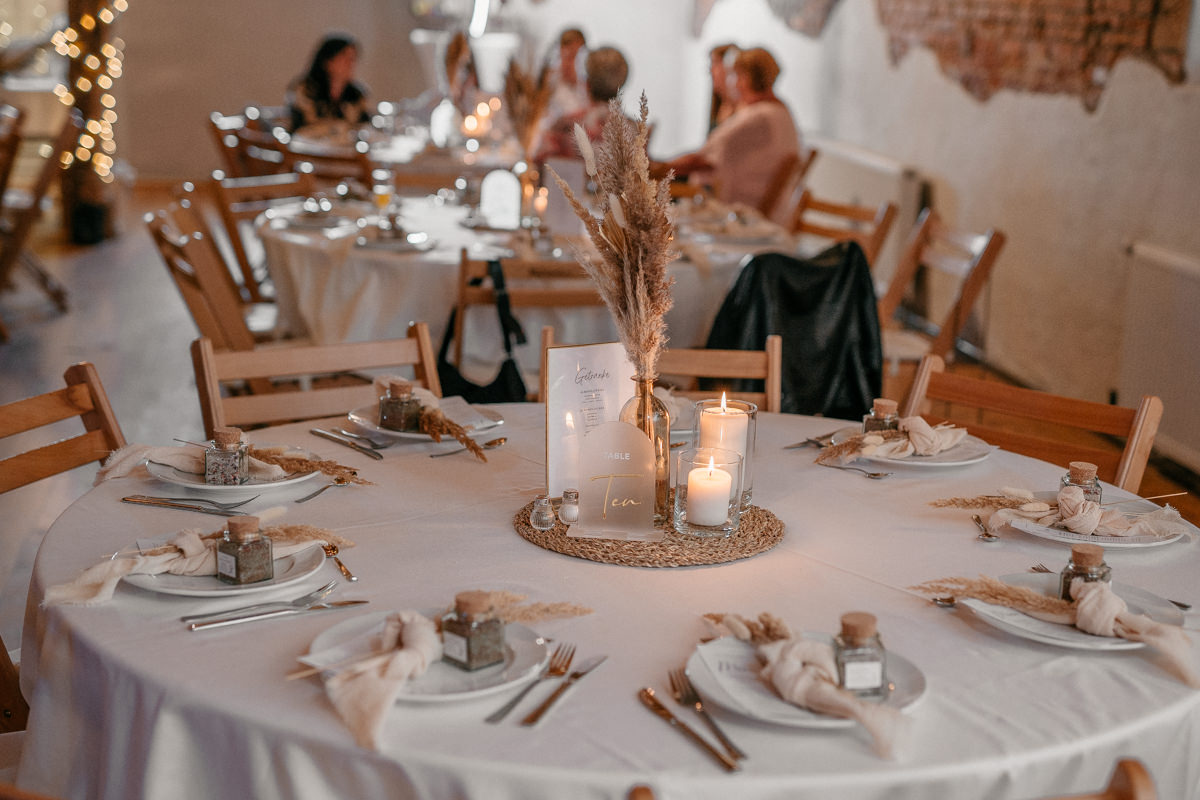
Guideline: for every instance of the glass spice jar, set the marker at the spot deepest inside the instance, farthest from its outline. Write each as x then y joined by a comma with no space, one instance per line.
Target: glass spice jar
244,554
399,409
568,510
226,460
860,657
541,516
883,416
1083,475
472,638
1087,564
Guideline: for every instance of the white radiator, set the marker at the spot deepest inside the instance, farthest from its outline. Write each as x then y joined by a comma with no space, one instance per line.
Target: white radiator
1159,349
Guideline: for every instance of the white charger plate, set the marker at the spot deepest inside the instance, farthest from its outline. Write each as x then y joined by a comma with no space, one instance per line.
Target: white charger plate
739,678
288,570
1019,624
474,419
971,450
525,655
195,480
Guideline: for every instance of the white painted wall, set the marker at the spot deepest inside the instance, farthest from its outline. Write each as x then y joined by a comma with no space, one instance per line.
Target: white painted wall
1070,189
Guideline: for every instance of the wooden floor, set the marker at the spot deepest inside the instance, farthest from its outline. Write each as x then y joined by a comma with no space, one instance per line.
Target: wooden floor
127,318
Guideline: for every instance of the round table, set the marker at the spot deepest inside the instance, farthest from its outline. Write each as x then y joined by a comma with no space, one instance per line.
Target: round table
127,703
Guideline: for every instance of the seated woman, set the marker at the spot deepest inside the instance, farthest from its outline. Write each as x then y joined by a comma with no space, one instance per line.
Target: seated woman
724,97
328,91
606,74
744,153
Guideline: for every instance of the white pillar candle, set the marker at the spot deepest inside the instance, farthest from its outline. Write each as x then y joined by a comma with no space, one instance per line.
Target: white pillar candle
724,428
708,495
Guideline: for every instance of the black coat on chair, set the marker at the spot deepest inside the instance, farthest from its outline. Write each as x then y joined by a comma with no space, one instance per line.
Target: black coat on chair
824,308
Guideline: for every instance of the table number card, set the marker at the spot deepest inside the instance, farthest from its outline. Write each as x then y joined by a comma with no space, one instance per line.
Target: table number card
616,494
500,199
586,385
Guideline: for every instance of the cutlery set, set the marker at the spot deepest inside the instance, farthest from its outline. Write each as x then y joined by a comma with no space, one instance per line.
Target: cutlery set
312,602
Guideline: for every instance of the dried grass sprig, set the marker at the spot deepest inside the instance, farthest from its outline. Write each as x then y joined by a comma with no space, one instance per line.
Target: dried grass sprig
435,425
632,234
526,99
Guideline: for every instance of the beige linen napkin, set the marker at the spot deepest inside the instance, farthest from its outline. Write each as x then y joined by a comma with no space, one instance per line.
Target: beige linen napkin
363,693
1080,515
928,440
185,459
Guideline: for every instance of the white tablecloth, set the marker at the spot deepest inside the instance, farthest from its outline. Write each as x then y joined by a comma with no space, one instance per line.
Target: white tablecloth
126,703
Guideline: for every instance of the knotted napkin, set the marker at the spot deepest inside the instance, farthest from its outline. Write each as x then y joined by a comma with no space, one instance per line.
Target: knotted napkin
1079,515
185,459
928,440
364,691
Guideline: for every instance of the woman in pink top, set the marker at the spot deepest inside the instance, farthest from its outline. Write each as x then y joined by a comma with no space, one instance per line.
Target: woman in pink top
743,154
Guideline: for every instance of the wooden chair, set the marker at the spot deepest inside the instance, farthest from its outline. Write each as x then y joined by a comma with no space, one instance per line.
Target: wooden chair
83,397
18,213
789,177
11,792
842,222
1130,781
263,152
330,166
239,202
11,119
287,401
765,365
474,288
224,128
1124,468
967,257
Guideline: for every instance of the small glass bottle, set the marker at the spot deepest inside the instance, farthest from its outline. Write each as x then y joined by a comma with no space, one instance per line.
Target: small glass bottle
471,637
650,415
244,554
226,461
883,416
1086,563
1083,475
541,516
568,510
861,659
399,410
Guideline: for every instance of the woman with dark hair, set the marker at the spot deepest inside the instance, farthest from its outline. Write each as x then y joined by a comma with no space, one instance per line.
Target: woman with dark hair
328,90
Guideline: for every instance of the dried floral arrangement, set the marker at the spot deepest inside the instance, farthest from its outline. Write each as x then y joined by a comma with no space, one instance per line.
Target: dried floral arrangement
435,425
845,451
526,99
766,628
997,592
295,464
632,234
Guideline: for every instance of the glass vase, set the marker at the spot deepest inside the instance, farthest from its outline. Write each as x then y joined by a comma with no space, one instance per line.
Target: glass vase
648,414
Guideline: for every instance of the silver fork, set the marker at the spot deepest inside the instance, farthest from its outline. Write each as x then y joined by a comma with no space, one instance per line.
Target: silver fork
1182,606
222,506
686,694
560,662
299,602
873,475
374,445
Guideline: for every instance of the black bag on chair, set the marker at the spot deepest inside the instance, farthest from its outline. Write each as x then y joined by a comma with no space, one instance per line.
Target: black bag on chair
508,386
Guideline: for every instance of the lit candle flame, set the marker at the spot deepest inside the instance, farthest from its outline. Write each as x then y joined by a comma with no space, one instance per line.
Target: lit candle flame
712,464
723,409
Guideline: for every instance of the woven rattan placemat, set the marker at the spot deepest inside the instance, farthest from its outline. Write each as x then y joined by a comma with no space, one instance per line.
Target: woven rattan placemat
758,532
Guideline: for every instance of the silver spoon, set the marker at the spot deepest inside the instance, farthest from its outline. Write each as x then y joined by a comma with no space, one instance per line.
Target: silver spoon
373,444
984,535
486,446
873,475
338,481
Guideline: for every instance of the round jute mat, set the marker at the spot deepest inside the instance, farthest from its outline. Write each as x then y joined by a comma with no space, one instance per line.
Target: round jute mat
758,532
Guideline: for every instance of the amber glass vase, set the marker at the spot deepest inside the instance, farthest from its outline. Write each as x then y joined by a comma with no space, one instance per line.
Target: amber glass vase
651,417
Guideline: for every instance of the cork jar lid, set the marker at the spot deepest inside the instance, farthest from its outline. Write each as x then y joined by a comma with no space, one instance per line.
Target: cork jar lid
1082,471
399,387
882,407
474,603
243,529
858,625
227,436
1087,555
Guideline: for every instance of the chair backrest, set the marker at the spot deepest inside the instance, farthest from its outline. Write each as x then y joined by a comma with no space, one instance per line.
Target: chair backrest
224,128
331,166
1130,781
787,181
263,152
844,222
11,119
968,257
288,402
203,280
1124,468
240,201
572,287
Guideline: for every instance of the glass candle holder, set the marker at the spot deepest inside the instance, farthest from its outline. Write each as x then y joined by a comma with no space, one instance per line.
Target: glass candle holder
729,425
708,492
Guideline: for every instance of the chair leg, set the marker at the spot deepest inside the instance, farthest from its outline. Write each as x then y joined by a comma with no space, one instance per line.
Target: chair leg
49,284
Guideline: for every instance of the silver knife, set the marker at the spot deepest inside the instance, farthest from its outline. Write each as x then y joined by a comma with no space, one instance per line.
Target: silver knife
651,702
584,669
333,437
149,501
286,612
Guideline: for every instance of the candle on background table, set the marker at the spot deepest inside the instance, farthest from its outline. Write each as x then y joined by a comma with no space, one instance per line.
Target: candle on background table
541,201
724,427
708,495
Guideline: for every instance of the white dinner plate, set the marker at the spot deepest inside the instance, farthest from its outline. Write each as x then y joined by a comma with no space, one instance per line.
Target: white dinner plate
738,687
474,418
971,450
525,655
195,480
1136,505
1019,624
288,570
